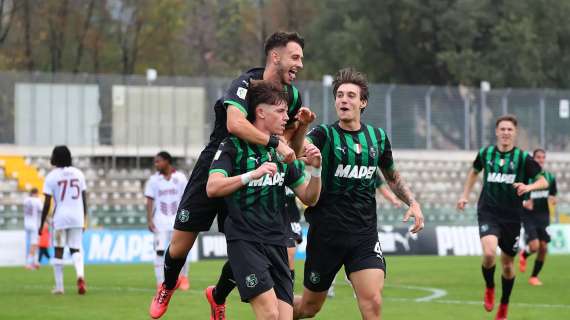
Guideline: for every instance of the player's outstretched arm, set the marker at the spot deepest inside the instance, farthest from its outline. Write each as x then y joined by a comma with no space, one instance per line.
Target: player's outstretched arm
467,187
149,213
388,195
296,133
240,127
403,192
310,191
45,211
220,186
539,184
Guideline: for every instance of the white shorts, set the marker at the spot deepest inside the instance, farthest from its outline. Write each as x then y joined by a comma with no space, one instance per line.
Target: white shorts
32,237
70,238
161,240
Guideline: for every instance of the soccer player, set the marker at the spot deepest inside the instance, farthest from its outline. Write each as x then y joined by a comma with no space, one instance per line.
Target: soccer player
66,185
507,169
32,216
536,219
284,58
253,180
342,226
163,192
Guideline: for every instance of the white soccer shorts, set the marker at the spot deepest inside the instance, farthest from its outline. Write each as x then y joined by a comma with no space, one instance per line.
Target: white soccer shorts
70,238
161,240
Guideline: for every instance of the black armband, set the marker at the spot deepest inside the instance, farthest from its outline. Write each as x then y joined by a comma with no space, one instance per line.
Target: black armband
273,141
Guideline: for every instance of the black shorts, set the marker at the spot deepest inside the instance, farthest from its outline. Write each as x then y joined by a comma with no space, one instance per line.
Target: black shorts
258,268
508,233
295,235
196,211
534,230
326,254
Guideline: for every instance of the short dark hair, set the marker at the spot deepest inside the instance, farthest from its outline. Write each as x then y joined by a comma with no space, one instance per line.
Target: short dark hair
34,191
61,157
349,75
263,91
538,150
507,117
281,39
166,156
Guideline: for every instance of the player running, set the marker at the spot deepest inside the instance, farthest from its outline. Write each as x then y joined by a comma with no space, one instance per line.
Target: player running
163,192
284,58
253,181
32,218
66,185
499,209
343,228
536,219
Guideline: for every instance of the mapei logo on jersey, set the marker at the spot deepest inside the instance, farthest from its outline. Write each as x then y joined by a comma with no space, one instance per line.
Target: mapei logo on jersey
539,194
357,172
277,180
241,92
498,177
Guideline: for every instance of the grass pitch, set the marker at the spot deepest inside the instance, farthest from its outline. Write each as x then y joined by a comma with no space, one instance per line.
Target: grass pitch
416,288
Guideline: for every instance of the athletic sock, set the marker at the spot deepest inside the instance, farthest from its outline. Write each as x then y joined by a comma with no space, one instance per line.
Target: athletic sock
172,269
225,284
488,275
77,258
37,257
537,267
58,273
526,254
507,285
292,275
29,260
159,268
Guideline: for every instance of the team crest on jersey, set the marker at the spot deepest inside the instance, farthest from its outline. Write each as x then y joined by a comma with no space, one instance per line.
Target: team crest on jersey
241,92
183,215
357,148
315,277
372,152
484,228
251,281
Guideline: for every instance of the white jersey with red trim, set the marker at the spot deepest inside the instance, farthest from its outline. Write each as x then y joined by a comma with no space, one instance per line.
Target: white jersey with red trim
166,195
66,186
32,213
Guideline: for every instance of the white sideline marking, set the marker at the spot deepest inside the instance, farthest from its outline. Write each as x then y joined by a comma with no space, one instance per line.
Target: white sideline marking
436,293
72,290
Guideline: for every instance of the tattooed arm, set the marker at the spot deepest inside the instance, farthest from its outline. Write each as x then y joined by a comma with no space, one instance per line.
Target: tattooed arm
402,191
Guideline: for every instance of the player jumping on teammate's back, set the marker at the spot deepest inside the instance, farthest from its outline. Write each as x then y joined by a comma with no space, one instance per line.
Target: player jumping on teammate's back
507,169
253,181
536,219
163,192
343,228
66,185
284,55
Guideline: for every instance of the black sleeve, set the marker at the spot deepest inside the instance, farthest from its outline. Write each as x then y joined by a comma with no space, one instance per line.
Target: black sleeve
295,175
532,169
237,93
553,190
224,158
318,136
295,103
386,161
477,165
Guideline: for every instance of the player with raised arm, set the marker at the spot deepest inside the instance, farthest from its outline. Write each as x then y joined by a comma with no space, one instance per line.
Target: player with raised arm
343,224
507,169
536,219
163,192
66,185
32,217
253,180
284,58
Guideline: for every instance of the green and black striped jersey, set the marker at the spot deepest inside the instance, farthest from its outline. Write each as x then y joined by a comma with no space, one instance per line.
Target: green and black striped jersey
540,212
349,170
501,169
256,211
